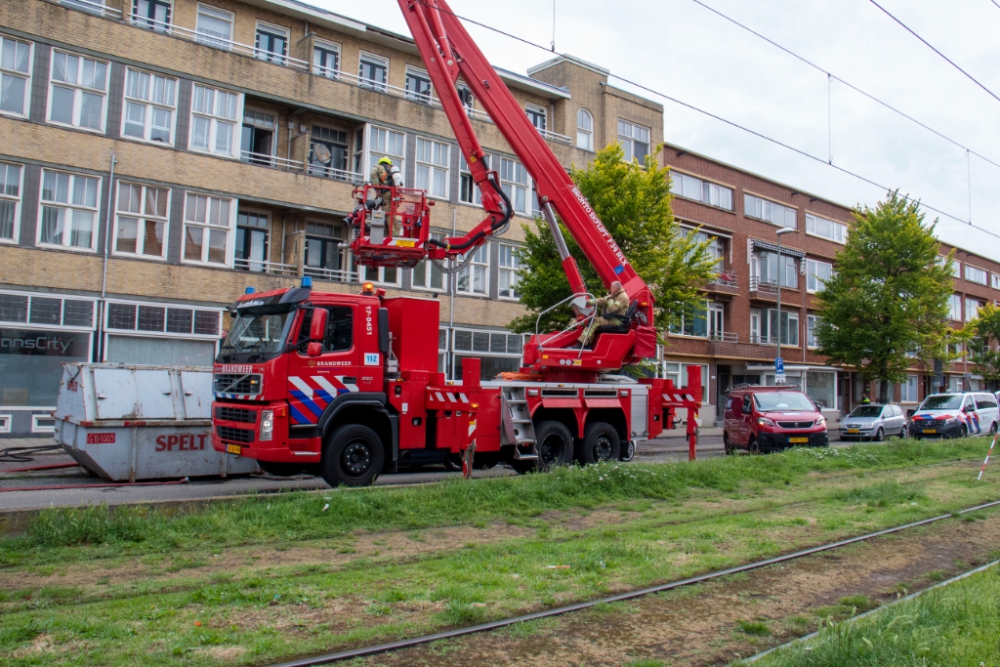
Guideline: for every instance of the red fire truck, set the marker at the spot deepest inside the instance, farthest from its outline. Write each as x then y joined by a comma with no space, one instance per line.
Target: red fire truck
347,386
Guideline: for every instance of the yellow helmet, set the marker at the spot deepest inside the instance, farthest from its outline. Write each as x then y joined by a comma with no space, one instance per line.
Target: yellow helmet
385,160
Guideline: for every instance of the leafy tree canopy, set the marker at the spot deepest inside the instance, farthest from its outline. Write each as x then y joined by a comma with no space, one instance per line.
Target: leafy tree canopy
983,334
634,203
888,299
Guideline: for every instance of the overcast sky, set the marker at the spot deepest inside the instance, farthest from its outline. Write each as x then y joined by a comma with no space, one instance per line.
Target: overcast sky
681,49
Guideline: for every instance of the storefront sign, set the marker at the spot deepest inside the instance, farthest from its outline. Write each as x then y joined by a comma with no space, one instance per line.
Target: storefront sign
23,341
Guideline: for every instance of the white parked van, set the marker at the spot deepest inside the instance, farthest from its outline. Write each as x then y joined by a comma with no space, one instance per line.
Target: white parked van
955,415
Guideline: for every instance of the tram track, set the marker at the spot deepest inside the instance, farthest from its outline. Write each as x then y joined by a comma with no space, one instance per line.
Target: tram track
390,647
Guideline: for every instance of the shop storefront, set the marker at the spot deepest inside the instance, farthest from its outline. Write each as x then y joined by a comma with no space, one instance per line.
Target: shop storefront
38,333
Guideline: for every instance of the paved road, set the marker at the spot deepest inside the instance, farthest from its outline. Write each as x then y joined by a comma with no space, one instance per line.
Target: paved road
88,491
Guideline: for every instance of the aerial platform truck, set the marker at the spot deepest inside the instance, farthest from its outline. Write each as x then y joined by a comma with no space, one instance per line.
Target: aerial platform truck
347,386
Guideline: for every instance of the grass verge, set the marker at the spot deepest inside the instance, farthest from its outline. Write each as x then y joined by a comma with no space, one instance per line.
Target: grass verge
949,626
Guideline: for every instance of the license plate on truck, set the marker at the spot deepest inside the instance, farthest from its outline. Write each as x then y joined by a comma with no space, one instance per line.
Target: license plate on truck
233,449
930,430
798,440
854,430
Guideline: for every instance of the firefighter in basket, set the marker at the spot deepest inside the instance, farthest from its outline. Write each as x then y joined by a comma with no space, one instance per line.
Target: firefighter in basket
615,303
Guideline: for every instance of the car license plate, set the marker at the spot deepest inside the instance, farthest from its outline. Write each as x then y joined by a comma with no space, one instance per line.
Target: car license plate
854,430
930,430
793,440
233,449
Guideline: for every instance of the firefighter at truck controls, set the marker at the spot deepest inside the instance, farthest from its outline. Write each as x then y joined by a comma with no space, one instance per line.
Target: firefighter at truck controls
386,175
615,303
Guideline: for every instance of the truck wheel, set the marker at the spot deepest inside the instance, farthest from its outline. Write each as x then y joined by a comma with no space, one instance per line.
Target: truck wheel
353,456
555,445
281,469
628,451
726,446
600,443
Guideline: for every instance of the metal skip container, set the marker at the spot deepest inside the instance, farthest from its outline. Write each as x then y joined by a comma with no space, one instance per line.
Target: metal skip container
126,423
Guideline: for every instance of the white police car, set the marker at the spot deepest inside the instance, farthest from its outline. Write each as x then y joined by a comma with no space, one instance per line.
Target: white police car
955,415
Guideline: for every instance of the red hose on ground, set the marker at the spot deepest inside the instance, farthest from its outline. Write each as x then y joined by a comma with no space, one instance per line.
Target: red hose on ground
92,486
50,466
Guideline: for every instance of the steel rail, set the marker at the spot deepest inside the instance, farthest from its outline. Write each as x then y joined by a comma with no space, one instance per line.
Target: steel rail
580,606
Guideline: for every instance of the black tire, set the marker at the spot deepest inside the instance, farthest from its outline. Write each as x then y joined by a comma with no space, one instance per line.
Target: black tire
453,462
993,429
353,456
628,451
726,446
879,435
281,469
752,447
963,432
486,460
554,444
600,443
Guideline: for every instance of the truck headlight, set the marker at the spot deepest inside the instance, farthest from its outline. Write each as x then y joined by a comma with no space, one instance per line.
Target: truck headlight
266,424
764,421
821,421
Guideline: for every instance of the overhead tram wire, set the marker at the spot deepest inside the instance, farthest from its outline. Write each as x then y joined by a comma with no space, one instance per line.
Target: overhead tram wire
726,121
932,48
847,83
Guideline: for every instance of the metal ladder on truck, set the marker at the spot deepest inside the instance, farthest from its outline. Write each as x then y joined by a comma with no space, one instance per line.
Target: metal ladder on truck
520,423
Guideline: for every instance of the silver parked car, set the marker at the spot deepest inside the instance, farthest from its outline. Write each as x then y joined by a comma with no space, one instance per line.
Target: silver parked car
873,422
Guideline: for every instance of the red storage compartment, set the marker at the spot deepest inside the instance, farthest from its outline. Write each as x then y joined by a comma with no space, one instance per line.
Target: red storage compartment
414,325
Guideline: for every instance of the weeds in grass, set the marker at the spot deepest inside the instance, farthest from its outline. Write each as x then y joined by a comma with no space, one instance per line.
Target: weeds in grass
881,494
646,662
759,628
936,576
953,625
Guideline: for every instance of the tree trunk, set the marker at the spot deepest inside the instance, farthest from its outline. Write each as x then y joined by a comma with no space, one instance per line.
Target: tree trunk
883,391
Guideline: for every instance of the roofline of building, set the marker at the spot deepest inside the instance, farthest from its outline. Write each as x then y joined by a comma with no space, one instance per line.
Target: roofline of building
567,58
391,39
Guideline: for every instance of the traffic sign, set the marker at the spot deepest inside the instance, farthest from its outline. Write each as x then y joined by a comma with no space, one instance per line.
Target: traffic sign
779,371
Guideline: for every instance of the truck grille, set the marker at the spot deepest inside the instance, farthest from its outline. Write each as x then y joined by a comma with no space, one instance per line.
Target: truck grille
236,415
238,383
795,424
929,423
235,434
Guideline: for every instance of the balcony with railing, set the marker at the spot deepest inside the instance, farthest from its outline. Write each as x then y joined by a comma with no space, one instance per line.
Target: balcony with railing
727,345
763,289
331,275
724,282
263,266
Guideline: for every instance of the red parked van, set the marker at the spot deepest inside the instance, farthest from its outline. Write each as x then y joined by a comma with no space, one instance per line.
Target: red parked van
767,419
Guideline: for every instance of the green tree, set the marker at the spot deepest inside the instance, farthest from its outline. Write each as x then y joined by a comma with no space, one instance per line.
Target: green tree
983,334
888,299
633,202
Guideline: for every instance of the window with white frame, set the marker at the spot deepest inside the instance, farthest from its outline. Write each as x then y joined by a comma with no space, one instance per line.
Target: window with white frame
154,318
465,96
975,275
10,201
955,307
68,210
426,275
432,167
46,310
213,121
584,130
468,191
418,86
15,74
817,273
634,140
385,275
811,322
706,192
694,323
78,91
972,307
474,278
208,225
141,220
509,272
956,266
767,268
215,27
995,280
827,229
383,142
537,116
908,390
271,43
152,14
514,181
678,372
373,72
150,100
326,59
497,351
769,211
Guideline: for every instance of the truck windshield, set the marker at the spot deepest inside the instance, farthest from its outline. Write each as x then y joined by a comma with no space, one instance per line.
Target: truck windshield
256,337
942,402
779,401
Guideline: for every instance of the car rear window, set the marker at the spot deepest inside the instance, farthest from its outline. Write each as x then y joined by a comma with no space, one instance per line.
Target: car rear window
776,401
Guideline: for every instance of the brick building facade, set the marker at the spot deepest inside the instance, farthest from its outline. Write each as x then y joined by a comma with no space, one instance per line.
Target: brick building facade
737,338
160,156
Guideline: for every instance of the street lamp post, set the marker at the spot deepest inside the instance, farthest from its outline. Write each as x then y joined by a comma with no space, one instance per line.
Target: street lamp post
781,267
